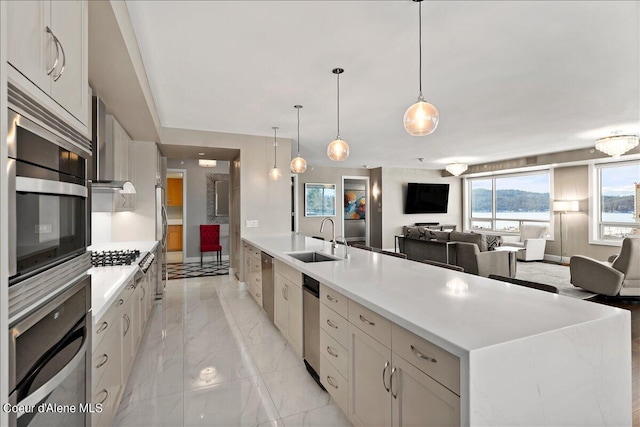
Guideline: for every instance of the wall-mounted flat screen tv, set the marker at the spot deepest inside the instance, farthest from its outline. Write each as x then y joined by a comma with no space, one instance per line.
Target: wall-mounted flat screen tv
426,198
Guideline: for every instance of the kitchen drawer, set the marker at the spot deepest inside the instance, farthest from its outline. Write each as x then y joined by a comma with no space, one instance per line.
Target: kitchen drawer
255,264
106,357
439,364
288,272
372,323
335,383
255,279
111,318
335,353
333,299
335,325
256,293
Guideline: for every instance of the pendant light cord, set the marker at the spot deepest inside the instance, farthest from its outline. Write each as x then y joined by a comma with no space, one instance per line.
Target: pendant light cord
420,43
338,105
298,131
275,147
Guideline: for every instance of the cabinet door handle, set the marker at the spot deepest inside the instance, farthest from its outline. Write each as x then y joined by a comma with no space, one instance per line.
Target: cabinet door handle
332,299
126,318
102,327
103,361
55,63
393,372
285,292
422,356
332,351
106,395
64,60
282,292
330,323
384,376
331,383
368,322
144,292
120,302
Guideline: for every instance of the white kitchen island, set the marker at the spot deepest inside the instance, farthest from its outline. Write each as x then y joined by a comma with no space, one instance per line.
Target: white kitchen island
526,357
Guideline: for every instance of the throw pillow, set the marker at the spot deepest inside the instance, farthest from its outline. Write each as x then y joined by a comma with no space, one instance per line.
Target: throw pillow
493,241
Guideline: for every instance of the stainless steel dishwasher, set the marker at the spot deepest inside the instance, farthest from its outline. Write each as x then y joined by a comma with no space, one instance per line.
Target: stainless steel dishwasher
267,284
311,325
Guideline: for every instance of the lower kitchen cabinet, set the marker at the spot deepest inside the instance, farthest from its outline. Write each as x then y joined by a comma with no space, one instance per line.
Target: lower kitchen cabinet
117,336
174,238
287,312
369,372
419,400
385,389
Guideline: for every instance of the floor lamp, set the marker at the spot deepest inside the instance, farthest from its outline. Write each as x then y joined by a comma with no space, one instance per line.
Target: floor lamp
564,206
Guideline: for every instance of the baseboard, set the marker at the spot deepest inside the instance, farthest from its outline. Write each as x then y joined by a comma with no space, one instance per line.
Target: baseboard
212,258
557,259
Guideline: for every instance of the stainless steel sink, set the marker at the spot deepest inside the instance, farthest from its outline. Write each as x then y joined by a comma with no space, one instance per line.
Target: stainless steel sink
312,257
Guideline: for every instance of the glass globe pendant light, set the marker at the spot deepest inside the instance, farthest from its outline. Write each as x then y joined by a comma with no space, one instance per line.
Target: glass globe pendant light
298,165
275,172
421,118
338,149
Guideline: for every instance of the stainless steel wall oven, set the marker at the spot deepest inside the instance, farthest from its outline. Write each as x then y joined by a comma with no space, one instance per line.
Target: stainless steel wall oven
48,198
49,363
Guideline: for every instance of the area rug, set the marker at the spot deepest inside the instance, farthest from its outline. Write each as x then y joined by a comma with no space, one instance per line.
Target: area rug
551,274
193,269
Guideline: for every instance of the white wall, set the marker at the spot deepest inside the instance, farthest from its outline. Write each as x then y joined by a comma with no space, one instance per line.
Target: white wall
268,202
324,175
394,182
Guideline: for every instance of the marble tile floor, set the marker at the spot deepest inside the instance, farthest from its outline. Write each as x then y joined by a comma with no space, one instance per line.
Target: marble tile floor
211,357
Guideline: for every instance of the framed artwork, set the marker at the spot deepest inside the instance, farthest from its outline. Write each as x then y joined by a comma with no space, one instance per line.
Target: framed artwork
319,200
355,204
217,198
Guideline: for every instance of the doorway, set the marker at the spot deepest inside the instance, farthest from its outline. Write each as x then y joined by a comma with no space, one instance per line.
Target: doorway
176,195
355,209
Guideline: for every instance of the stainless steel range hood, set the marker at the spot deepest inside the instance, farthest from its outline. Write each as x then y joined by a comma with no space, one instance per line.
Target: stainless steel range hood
104,155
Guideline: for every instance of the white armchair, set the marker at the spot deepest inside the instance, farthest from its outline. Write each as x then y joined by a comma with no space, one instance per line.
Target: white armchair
532,240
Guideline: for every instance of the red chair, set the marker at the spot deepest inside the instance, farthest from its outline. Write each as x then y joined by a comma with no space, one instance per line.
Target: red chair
210,240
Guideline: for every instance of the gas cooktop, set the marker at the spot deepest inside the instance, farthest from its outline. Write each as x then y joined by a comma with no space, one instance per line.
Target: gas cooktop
111,258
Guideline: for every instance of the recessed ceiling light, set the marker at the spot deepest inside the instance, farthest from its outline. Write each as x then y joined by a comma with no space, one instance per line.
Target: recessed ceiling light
200,154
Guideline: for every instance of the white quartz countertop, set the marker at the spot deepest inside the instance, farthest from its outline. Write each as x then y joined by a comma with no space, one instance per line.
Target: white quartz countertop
108,282
457,311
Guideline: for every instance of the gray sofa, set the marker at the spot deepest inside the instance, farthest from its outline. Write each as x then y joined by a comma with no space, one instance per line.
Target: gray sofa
466,250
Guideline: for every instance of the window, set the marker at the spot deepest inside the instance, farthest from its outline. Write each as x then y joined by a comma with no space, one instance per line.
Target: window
616,200
504,203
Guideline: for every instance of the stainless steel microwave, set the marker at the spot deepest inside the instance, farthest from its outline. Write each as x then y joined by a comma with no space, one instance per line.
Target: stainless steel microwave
49,204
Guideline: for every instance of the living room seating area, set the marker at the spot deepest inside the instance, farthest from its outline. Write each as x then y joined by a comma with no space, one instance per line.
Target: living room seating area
467,250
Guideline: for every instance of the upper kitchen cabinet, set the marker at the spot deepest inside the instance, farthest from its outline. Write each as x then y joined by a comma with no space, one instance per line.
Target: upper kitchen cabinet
174,192
123,161
48,52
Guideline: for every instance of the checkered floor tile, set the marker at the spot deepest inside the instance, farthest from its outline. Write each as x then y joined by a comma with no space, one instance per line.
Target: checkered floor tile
193,269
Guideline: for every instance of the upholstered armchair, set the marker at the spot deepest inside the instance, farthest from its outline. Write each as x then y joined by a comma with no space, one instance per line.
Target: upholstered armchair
619,277
532,240
469,257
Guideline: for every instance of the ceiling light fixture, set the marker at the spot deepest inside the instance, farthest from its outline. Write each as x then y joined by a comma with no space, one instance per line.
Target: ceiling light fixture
421,118
298,165
456,169
617,145
275,172
204,163
338,149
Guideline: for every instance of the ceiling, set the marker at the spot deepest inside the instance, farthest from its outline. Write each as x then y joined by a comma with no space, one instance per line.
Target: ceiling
196,152
510,79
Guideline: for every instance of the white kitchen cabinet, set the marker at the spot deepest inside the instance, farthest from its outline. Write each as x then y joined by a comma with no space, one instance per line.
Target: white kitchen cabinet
121,141
128,339
419,400
48,53
369,372
107,386
385,389
287,314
